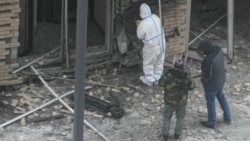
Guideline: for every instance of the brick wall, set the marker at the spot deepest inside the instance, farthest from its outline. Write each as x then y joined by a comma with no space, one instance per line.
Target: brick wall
173,15
9,24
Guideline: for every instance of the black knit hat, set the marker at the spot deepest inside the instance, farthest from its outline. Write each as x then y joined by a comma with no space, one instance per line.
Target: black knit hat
178,64
206,47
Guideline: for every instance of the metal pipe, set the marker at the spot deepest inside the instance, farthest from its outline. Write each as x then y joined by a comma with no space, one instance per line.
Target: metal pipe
34,61
67,55
94,129
202,33
65,104
36,109
80,63
196,38
196,35
51,90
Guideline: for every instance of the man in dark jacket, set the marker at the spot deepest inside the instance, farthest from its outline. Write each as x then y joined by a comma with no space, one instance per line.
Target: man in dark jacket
213,79
177,83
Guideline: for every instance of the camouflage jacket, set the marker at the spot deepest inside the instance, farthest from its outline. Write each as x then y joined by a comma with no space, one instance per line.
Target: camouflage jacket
177,83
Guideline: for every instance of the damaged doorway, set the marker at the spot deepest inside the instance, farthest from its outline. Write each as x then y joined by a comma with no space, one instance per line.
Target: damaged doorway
96,23
47,28
99,27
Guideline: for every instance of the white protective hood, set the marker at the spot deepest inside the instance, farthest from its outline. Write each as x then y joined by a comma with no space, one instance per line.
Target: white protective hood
145,11
149,29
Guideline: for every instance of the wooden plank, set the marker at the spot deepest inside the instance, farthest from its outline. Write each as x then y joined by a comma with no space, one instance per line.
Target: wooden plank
52,117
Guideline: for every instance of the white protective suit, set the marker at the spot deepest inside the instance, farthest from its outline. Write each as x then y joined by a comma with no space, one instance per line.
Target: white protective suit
151,33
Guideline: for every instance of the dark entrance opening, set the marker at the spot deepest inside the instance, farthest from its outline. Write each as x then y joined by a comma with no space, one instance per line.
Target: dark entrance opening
45,25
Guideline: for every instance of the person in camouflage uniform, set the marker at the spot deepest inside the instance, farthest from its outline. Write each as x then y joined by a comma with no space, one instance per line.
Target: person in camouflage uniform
177,83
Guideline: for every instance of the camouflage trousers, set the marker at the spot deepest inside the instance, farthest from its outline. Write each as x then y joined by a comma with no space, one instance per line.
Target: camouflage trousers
167,115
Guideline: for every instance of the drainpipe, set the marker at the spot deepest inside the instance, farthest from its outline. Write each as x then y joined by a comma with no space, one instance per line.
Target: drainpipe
81,43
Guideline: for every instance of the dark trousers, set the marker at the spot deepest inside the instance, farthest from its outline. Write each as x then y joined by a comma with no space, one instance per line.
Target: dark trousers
210,98
167,115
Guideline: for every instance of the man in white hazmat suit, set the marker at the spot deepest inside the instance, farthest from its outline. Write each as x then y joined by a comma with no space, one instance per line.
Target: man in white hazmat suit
151,33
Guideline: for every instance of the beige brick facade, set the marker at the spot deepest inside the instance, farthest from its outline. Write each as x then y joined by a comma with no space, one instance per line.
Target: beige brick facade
9,25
